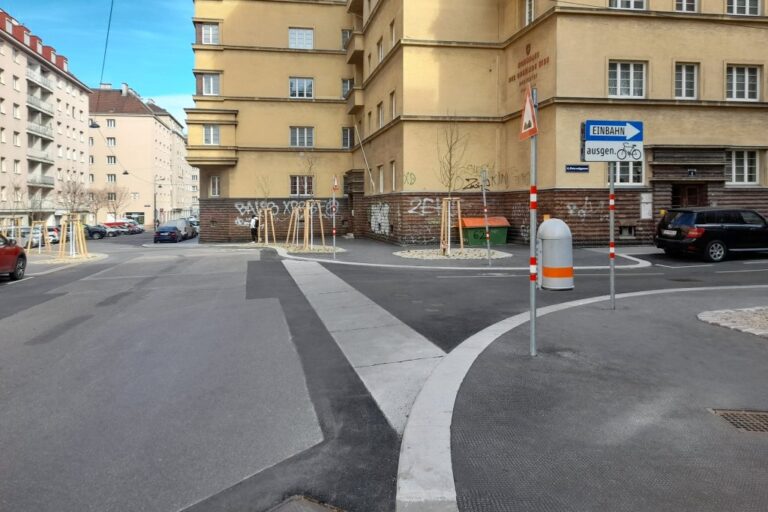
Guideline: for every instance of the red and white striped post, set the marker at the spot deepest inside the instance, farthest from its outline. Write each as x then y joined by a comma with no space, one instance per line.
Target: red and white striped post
333,212
529,130
484,178
612,242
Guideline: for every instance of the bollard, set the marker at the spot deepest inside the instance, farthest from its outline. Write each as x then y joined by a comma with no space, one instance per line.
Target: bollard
556,255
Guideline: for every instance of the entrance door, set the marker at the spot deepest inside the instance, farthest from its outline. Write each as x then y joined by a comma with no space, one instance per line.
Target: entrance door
686,194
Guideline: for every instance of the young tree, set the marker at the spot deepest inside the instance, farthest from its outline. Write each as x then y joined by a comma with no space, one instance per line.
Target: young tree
451,147
265,185
74,198
310,169
97,201
117,198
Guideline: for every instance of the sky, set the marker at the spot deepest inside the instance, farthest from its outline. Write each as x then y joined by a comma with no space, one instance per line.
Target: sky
149,45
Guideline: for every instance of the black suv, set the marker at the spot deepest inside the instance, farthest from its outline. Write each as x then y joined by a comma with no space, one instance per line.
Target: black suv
712,232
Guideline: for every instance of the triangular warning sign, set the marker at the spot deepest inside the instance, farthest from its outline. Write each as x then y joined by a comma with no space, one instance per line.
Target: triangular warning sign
528,127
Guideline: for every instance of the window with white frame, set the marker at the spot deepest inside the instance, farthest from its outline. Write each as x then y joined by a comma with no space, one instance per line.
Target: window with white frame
627,4
16,83
346,35
686,5
347,137
111,196
111,142
111,178
302,186
744,7
301,38
381,179
16,111
686,81
111,123
380,49
392,105
2,135
626,173
2,164
380,114
346,86
301,87
211,84
210,33
302,136
742,83
215,186
16,139
211,135
392,34
393,172
17,166
741,167
111,160
626,79
530,11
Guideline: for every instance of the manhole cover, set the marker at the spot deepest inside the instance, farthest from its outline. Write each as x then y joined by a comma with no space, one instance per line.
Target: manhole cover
303,504
747,421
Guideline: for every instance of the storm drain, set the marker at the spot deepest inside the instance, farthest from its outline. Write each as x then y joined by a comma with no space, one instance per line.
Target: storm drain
746,421
303,504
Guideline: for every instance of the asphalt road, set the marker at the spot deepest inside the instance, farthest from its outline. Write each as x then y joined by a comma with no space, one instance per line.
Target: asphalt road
184,377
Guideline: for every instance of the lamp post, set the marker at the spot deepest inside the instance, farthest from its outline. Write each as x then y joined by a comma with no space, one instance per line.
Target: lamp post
155,186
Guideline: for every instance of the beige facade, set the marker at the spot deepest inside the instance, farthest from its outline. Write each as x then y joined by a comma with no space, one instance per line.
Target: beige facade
43,125
138,154
693,71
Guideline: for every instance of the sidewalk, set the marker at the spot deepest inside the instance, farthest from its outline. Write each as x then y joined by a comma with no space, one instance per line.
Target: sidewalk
613,414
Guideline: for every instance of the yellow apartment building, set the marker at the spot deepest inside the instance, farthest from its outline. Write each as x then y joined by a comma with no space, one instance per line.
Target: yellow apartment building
138,166
374,92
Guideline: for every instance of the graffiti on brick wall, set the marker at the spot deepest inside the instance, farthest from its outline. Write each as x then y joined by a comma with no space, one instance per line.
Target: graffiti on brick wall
380,219
588,210
280,208
473,178
416,239
423,206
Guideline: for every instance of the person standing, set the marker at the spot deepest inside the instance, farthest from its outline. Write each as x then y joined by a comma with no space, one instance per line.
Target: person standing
254,228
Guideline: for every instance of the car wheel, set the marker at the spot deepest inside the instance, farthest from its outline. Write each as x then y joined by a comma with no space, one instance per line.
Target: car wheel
716,251
670,252
98,236
18,271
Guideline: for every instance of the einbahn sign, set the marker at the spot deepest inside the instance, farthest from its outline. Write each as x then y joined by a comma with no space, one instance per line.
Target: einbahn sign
611,141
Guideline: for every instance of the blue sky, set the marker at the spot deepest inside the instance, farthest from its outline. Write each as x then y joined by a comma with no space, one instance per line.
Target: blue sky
149,47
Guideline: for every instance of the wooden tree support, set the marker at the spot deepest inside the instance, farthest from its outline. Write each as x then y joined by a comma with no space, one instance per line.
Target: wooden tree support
43,240
267,223
446,218
81,246
292,238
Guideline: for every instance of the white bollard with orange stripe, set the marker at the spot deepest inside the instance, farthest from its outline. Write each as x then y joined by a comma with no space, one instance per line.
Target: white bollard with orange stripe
556,255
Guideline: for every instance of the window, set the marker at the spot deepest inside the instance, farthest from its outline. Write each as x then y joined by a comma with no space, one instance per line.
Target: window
302,137
211,84
380,50
742,83
381,179
111,196
2,164
111,142
628,173
17,166
16,139
380,114
215,188
686,81
369,124
90,159
91,178
347,137
301,87
16,84
346,35
752,218
16,111
685,5
744,7
346,86
302,185
210,33
301,38
111,123
3,193
530,11
111,178
2,135
392,105
111,160
741,167
626,79
393,171
211,135
628,4
392,34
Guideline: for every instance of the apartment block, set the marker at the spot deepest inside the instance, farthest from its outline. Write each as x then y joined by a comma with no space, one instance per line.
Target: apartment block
43,125
138,166
378,92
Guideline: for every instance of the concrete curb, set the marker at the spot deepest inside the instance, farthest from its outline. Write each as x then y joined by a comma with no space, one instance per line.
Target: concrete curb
425,480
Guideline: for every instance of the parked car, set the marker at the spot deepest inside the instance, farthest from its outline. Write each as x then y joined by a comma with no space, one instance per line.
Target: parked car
13,259
195,225
119,226
53,234
110,231
712,232
95,232
187,231
168,233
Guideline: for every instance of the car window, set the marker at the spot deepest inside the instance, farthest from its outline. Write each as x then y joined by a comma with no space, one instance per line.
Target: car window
676,219
752,218
3,241
732,217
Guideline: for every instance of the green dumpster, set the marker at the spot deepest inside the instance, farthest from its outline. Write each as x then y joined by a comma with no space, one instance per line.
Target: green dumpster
474,230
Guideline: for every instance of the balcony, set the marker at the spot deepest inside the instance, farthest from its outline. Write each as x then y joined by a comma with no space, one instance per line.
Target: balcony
355,49
355,100
355,7
40,130
36,180
41,205
39,156
39,80
37,103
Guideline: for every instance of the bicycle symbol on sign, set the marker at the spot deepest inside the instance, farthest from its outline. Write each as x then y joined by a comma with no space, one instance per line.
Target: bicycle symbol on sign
629,150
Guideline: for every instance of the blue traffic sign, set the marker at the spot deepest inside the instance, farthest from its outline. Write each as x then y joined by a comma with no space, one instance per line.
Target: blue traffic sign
613,131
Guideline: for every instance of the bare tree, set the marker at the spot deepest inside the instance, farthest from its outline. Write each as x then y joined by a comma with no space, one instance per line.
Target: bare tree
451,147
97,201
265,185
74,198
117,199
310,169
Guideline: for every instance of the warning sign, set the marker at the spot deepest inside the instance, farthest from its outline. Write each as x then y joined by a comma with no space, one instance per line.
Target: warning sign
529,127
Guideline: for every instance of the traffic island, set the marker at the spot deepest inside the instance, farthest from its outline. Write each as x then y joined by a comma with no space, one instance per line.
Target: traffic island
456,254
749,320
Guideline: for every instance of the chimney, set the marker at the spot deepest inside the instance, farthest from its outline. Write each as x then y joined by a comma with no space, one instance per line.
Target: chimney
105,86
124,89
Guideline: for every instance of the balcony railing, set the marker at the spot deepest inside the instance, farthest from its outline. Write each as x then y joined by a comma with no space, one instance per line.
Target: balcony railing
41,205
41,181
38,129
42,156
38,79
39,104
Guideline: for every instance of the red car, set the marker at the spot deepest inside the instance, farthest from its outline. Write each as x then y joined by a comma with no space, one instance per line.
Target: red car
13,259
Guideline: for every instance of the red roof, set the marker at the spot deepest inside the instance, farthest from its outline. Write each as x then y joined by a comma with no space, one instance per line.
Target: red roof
112,101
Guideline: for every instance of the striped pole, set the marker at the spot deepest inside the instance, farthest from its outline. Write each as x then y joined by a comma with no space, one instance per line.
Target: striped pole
484,178
532,229
612,243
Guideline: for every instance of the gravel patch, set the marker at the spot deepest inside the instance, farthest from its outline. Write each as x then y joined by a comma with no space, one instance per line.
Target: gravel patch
751,320
291,249
456,254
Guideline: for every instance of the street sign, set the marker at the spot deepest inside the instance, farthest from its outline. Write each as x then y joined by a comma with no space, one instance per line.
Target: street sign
576,168
528,126
612,141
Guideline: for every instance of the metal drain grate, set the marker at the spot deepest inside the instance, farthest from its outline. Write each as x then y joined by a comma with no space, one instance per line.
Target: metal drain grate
746,421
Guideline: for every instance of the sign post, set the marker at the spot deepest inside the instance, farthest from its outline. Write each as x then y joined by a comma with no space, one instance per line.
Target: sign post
612,141
333,212
484,178
530,130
